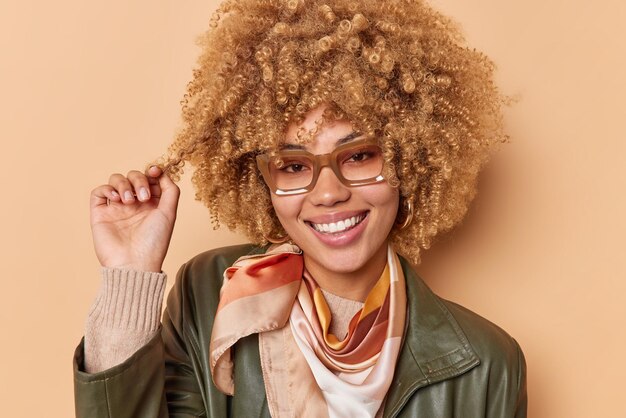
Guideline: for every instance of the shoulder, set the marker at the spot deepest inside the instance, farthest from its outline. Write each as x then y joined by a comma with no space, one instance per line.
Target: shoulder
199,280
502,368
501,357
499,354
493,345
489,341
218,259
494,381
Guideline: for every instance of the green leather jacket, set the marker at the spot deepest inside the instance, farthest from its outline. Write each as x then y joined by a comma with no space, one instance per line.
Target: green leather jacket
453,363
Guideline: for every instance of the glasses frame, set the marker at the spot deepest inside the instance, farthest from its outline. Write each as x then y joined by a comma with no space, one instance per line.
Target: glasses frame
319,161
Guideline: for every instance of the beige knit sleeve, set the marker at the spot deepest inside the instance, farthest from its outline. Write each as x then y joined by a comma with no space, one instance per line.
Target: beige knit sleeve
124,316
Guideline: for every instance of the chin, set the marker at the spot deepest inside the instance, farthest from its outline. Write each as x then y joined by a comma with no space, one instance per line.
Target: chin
339,263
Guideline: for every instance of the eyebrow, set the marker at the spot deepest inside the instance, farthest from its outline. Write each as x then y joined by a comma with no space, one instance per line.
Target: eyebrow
340,141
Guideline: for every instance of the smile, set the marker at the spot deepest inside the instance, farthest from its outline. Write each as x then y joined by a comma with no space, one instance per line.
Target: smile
339,226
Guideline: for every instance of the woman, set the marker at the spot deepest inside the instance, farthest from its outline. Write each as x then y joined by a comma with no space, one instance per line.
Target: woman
347,134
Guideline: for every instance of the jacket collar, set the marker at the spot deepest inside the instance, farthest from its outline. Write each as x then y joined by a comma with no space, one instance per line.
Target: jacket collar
435,348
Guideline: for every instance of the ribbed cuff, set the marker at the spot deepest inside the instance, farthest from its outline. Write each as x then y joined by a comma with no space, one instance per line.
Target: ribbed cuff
129,299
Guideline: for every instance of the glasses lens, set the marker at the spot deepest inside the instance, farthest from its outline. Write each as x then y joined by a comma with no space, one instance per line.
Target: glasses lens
361,162
290,172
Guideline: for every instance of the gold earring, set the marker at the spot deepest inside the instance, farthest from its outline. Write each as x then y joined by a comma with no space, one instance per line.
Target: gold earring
408,203
279,240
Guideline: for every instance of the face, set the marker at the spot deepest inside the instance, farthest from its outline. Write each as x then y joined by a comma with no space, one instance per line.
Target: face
373,207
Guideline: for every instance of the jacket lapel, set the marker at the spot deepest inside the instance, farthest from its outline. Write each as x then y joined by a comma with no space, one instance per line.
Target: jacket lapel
435,348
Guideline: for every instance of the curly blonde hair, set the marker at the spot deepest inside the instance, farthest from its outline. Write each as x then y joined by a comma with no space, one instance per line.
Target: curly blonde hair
395,68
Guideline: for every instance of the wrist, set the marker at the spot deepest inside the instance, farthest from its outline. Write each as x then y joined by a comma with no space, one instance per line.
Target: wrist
143,267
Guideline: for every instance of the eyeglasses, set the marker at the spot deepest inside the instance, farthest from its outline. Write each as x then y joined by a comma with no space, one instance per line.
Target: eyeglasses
290,172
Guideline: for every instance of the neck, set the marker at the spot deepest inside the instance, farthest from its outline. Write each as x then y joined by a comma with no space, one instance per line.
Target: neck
354,285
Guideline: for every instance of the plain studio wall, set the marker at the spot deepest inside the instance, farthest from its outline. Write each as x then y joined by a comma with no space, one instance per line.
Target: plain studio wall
90,89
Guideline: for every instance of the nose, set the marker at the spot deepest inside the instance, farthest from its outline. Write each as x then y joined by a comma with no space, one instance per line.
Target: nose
328,190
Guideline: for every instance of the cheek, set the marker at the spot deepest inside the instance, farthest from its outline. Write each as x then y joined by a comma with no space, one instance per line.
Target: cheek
385,197
287,208
391,211
386,200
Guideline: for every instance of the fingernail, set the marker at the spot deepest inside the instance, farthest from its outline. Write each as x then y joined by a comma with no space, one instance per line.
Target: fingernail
128,195
143,194
115,194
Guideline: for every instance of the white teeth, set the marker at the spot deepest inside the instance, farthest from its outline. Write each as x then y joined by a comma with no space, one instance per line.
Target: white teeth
338,226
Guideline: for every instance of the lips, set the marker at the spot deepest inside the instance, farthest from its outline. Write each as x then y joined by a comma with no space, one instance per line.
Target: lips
339,238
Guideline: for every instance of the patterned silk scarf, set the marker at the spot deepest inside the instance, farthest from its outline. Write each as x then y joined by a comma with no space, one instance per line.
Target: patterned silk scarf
307,371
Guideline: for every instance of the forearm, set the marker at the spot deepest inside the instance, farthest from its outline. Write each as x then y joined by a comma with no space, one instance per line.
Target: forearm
124,317
155,379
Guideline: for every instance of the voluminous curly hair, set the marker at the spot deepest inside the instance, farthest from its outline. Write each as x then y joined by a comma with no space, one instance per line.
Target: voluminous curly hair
396,69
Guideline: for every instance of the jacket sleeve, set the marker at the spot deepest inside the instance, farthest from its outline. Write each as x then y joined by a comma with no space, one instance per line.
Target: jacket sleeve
506,395
162,379
522,396
133,388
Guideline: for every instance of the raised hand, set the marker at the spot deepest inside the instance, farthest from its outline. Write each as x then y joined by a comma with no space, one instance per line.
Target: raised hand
132,219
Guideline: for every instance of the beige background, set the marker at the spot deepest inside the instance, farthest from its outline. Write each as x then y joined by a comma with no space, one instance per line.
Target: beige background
91,88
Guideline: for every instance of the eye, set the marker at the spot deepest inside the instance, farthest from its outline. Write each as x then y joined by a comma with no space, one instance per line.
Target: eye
359,156
293,168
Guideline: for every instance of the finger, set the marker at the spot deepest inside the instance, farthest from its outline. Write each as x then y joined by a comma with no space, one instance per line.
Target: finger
123,187
153,173
139,181
101,195
169,195
155,191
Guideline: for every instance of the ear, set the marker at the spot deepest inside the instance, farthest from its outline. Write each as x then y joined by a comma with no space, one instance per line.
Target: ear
405,212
